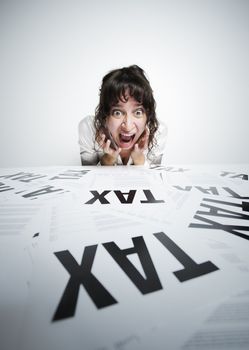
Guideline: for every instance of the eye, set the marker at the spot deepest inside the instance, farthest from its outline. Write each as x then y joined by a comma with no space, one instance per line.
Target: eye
117,113
139,112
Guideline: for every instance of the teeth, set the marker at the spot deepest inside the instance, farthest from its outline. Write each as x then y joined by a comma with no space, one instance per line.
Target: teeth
126,134
126,137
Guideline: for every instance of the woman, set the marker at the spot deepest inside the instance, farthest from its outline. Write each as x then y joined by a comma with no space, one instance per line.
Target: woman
125,129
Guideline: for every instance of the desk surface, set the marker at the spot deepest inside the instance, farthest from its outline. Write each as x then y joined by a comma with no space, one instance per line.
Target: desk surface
111,258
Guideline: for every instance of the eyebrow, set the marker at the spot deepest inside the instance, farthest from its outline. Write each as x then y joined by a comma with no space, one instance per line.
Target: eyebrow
120,106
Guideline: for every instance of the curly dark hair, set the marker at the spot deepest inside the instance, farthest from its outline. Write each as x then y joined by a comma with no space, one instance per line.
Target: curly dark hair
116,85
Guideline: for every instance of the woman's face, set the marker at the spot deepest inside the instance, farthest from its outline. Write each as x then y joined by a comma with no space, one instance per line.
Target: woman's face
126,122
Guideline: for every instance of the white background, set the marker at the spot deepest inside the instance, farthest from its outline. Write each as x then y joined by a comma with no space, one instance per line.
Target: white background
55,53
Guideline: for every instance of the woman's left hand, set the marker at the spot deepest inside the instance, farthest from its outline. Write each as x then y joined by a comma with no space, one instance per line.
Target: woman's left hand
137,153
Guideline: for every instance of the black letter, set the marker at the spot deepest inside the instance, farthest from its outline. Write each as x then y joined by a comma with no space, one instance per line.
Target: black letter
4,187
45,190
215,225
187,188
234,194
152,282
245,206
225,173
80,274
20,176
243,176
216,211
98,196
130,197
151,198
70,174
211,189
191,268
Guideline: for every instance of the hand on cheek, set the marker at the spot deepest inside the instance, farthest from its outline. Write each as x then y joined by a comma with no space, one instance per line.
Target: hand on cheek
137,153
110,155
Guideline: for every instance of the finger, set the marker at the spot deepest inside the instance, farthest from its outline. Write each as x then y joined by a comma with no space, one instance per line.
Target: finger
144,145
147,135
117,151
102,140
107,146
136,147
143,141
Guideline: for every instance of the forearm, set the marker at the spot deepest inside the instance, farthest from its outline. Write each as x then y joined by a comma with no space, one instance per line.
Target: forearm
88,158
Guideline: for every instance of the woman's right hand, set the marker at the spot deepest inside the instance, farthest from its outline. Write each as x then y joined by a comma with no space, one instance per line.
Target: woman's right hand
110,155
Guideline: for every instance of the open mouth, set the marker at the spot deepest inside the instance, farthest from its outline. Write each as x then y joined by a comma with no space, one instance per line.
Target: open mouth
126,138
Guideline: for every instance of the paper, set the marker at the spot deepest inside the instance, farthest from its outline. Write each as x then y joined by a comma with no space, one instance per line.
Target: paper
151,258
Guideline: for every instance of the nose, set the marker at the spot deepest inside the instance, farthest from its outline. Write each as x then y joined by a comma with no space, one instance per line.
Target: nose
127,123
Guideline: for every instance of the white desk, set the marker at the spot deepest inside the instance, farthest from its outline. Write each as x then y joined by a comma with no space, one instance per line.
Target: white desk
111,258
